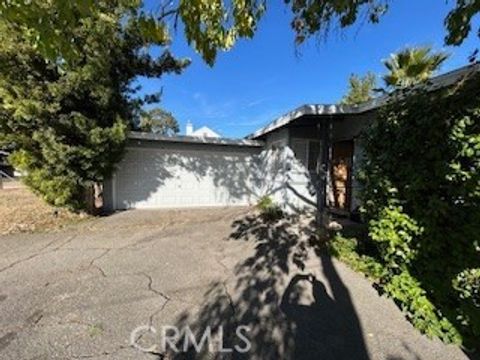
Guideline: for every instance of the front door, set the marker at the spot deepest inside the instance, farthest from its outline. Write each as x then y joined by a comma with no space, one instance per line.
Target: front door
342,159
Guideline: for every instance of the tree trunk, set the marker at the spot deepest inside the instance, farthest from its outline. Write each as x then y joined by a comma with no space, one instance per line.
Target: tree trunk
94,199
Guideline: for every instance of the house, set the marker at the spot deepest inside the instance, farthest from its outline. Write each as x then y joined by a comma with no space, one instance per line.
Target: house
204,132
306,159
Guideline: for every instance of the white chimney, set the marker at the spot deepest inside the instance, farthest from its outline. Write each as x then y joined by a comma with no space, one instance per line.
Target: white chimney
189,128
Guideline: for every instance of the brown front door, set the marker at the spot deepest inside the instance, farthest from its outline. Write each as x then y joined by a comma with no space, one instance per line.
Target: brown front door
342,159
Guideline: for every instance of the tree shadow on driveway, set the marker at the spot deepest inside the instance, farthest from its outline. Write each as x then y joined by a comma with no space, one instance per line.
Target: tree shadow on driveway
288,312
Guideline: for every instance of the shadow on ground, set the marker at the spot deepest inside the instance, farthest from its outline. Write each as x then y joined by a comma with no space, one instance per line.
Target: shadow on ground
289,313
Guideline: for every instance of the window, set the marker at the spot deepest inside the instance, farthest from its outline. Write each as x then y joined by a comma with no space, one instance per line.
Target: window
276,145
299,148
307,152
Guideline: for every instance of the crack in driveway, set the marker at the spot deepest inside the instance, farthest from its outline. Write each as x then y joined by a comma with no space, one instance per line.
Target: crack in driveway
19,262
38,253
150,287
156,292
6,339
96,258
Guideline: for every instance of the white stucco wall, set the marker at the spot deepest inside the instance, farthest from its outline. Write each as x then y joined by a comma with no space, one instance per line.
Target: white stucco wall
290,184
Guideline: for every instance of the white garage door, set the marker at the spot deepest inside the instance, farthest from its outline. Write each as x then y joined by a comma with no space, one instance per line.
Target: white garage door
183,175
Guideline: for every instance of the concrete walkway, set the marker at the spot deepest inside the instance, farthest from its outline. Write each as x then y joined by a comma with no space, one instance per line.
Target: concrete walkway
80,293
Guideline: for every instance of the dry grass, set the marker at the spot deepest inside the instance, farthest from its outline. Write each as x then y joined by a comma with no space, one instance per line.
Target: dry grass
22,211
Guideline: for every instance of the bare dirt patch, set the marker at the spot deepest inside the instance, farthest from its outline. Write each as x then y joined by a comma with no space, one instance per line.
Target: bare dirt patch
23,211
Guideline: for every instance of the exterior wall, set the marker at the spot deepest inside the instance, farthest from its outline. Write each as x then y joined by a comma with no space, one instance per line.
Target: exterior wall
357,161
278,138
289,184
350,127
310,132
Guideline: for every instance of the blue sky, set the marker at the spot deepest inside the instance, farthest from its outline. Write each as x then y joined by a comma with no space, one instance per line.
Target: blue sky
263,78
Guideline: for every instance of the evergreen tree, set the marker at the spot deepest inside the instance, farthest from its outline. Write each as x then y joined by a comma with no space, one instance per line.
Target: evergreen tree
360,89
68,124
159,121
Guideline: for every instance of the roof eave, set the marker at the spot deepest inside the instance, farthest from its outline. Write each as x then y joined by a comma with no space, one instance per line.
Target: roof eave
134,135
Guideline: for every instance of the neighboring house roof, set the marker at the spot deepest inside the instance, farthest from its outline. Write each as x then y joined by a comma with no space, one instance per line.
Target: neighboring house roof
194,140
205,132
435,83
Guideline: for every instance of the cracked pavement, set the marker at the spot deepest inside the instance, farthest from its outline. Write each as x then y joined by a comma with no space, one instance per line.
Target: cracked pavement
80,293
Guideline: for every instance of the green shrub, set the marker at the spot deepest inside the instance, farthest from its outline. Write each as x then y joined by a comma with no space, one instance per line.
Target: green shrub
421,199
346,250
408,293
268,209
467,285
405,290
393,231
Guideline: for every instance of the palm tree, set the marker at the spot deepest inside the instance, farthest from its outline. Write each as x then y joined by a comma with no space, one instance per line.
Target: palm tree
412,66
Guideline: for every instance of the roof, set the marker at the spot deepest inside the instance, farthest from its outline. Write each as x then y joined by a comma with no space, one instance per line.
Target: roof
205,130
435,83
134,135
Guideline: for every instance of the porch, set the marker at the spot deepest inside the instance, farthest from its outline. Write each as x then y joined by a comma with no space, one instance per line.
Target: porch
327,152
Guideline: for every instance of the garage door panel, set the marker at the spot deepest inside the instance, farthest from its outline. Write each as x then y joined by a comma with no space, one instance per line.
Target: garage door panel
154,178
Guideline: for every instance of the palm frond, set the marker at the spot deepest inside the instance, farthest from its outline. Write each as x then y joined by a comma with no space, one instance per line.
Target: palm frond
412,65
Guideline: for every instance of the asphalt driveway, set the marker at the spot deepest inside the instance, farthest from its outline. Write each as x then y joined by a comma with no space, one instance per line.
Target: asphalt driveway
80,293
